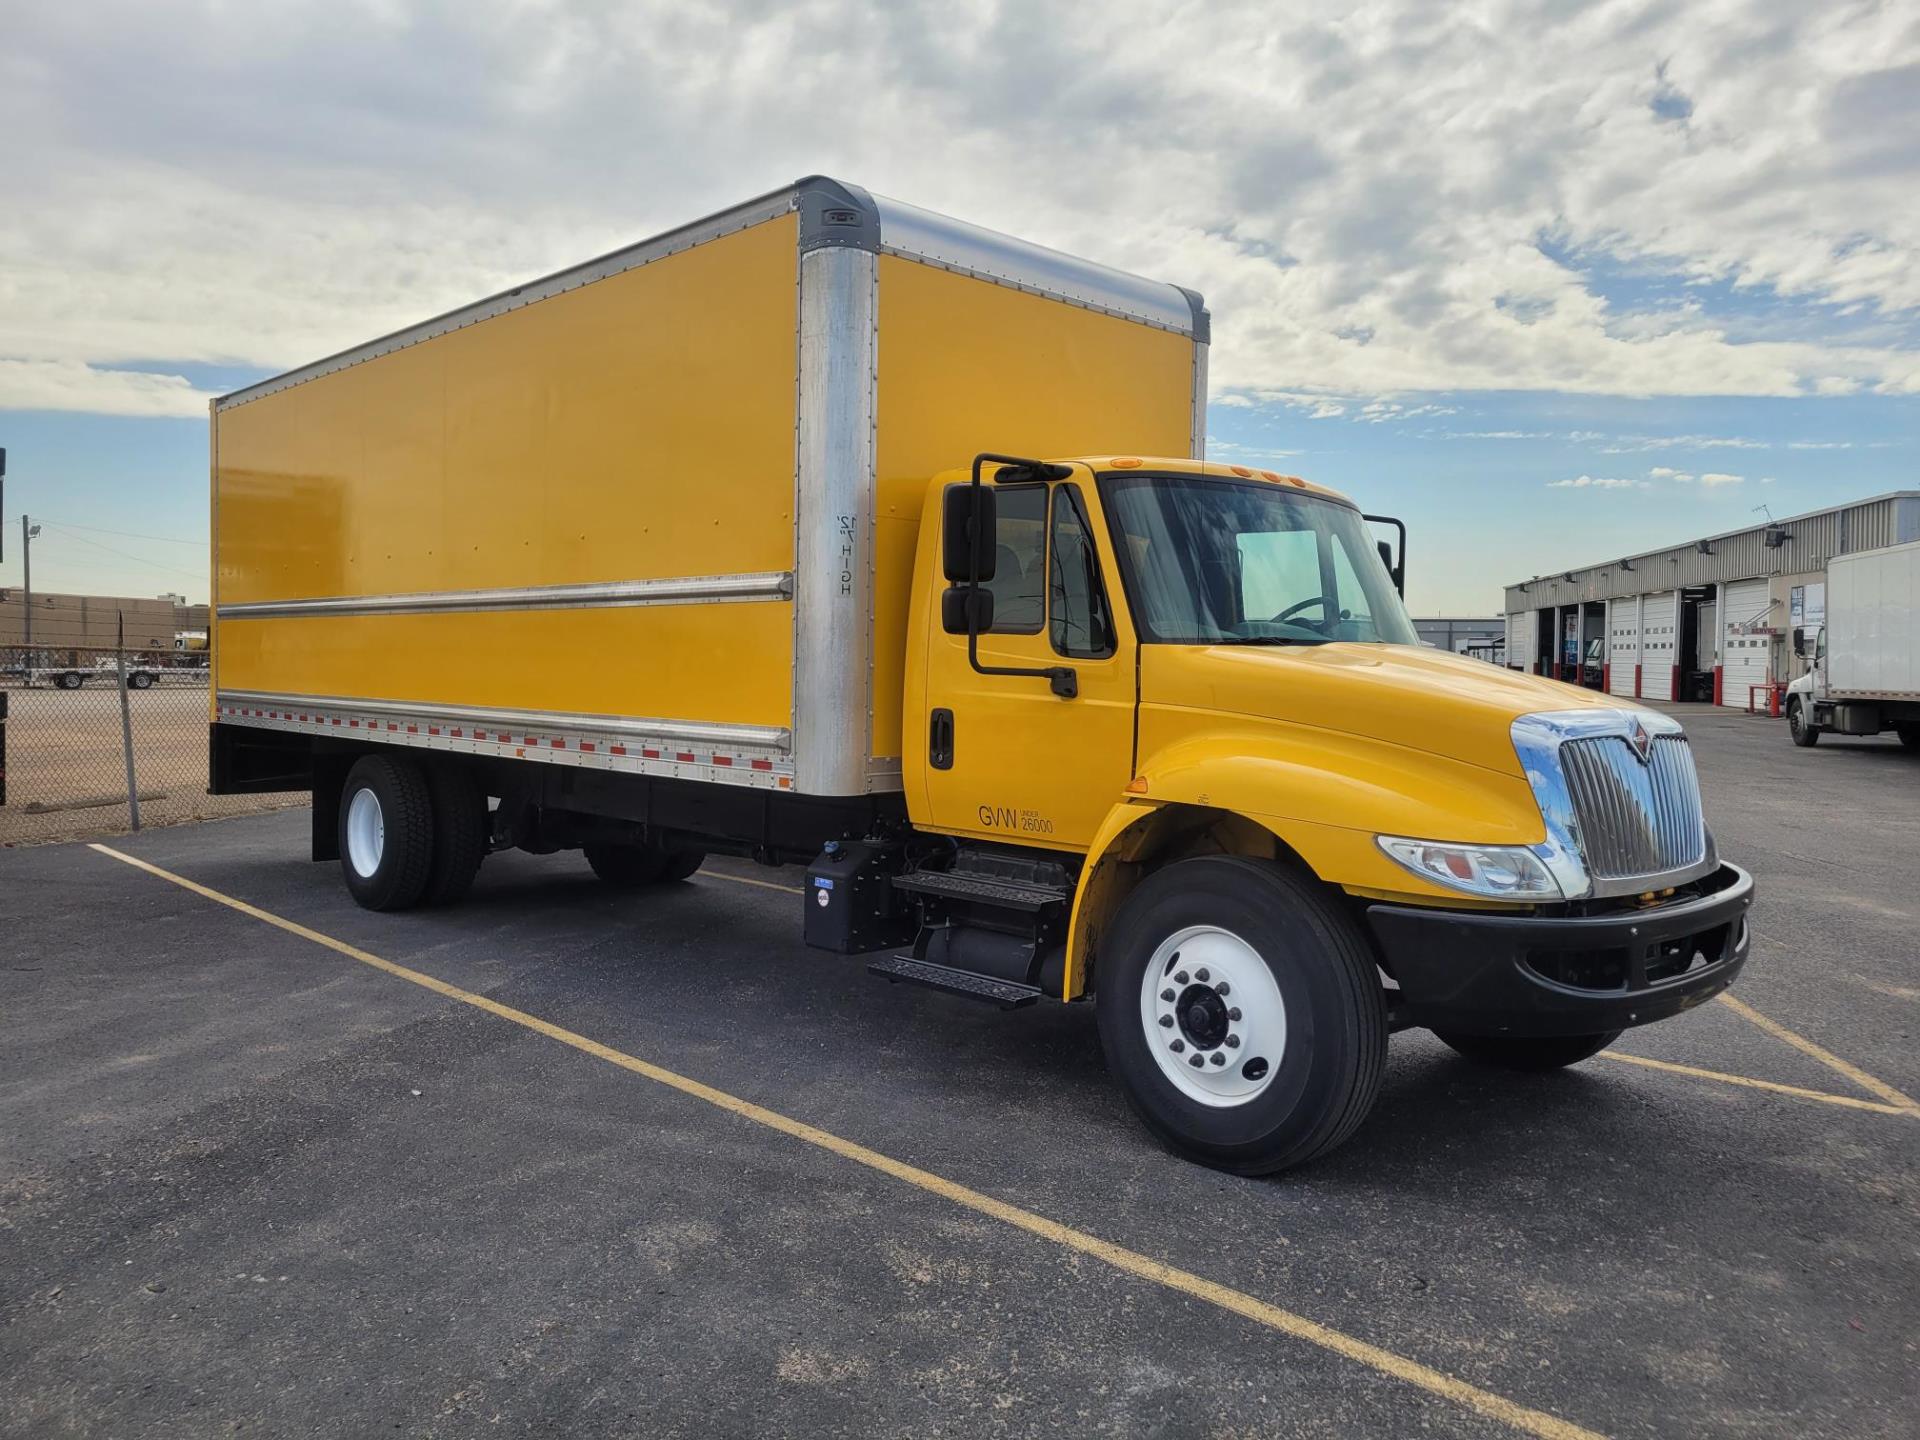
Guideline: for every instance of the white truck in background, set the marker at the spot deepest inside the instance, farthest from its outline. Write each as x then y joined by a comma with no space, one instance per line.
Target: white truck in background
1865,672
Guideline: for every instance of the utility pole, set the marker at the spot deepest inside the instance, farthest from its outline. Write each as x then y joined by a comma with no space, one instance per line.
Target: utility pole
27,532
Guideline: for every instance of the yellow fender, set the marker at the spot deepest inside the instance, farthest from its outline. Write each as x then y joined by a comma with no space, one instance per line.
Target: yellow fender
1311,795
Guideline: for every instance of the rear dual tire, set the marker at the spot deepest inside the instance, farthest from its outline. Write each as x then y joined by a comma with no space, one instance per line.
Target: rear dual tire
408,835
1303,1001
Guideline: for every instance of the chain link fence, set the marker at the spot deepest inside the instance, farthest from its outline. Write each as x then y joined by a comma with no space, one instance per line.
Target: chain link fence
70,737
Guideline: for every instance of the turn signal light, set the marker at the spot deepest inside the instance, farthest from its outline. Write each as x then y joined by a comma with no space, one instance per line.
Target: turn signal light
1125,462
1137,785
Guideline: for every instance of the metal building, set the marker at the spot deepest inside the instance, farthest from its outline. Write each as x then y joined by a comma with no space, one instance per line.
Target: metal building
1481,637
1710,620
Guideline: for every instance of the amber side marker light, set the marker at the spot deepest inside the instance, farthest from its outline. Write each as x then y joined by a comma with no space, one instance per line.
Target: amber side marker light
1137,785
1125,462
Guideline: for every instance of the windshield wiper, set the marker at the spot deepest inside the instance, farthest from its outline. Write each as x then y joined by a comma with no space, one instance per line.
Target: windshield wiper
1268,640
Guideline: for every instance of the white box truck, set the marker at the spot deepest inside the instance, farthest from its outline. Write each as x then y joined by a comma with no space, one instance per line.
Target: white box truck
1865,676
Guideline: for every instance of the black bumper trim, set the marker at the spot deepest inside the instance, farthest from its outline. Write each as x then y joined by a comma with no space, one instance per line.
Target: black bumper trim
1489,974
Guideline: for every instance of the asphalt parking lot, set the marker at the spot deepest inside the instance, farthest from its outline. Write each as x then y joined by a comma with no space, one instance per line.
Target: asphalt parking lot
252,1182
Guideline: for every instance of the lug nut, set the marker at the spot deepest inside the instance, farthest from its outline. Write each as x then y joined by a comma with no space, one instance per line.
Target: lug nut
1177,1046
1181,978
1166,1022
1223,988
1233,1042
1234,1013
1201,976
1218,1058
1167,995
1197,1063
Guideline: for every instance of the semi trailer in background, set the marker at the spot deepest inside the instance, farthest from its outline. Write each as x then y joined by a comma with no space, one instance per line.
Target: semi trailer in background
1865,672
829,531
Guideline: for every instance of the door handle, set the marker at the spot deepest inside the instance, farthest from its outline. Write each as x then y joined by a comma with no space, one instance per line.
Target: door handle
940,740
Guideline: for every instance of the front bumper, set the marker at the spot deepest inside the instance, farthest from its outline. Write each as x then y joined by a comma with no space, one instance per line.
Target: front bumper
1487,974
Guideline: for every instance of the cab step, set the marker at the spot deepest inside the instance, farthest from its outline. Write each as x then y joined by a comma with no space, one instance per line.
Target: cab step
977,889
1007,994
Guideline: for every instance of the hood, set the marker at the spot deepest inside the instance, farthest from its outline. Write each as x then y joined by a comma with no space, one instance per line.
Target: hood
1427,700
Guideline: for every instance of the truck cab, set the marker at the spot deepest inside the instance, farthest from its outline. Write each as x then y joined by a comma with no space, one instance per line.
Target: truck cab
1177,710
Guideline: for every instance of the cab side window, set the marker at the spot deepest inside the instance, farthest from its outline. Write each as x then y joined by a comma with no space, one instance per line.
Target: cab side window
1080,622
1019,562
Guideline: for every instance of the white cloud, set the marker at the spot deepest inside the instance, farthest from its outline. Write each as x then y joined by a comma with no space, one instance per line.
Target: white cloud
71,385
1499,435
1664,472
1365,205
1596,482
1715,478
1634,444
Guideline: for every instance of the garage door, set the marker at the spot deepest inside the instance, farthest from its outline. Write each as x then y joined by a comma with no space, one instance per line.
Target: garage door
1623,645
1744,651
1659,635
1520,640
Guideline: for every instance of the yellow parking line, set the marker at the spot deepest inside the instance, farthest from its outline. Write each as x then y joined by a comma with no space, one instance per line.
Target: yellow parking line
1434,1382
747,880
1825,1057
1747,1080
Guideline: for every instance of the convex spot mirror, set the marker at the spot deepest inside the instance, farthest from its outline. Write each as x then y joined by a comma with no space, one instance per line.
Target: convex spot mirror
953,609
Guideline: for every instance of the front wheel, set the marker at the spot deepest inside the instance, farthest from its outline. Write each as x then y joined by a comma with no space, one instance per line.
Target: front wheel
1803,730
1240,1010
140,680
69,680
1529,1052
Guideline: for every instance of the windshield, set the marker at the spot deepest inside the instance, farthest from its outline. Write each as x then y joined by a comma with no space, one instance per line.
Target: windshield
1213,562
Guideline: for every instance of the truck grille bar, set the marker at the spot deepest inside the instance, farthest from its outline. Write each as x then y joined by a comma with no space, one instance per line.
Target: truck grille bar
1635,819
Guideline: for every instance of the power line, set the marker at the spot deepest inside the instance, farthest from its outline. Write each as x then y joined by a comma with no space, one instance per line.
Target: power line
124,534
136,559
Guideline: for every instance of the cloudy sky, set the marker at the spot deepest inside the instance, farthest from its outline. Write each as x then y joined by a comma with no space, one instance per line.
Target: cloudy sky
1555,281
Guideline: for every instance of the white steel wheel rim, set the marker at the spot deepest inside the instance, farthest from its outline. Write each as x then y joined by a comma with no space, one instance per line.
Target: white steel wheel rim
366,833
1206,994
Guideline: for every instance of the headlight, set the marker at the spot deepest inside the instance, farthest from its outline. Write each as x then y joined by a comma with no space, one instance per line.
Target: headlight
1498,872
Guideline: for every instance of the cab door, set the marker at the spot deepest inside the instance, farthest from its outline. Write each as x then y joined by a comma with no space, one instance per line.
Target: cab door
1007,758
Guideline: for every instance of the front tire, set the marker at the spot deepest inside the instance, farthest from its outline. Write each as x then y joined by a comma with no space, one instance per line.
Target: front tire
1803,730
386,832
1300,1023
1529,1052
69,680
139,680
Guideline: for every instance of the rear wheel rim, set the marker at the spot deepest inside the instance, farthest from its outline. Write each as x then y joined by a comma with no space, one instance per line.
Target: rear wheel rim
1208,996
366,833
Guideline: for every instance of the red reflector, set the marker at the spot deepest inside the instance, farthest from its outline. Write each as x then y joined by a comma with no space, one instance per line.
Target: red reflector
762,764
457,734
558,744
413,729
650,754
684,756
433,729
353,724
616,749
723,760
587,745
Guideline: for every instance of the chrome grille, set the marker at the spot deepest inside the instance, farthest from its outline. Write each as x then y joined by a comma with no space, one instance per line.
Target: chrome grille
1634,819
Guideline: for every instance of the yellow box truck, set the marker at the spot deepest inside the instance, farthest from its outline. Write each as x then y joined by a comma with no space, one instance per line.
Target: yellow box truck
834,532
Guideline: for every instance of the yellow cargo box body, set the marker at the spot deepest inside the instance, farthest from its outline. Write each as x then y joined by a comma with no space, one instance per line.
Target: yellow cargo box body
658,513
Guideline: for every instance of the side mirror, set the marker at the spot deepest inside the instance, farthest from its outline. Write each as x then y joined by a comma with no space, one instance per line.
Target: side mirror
953,609
968,528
